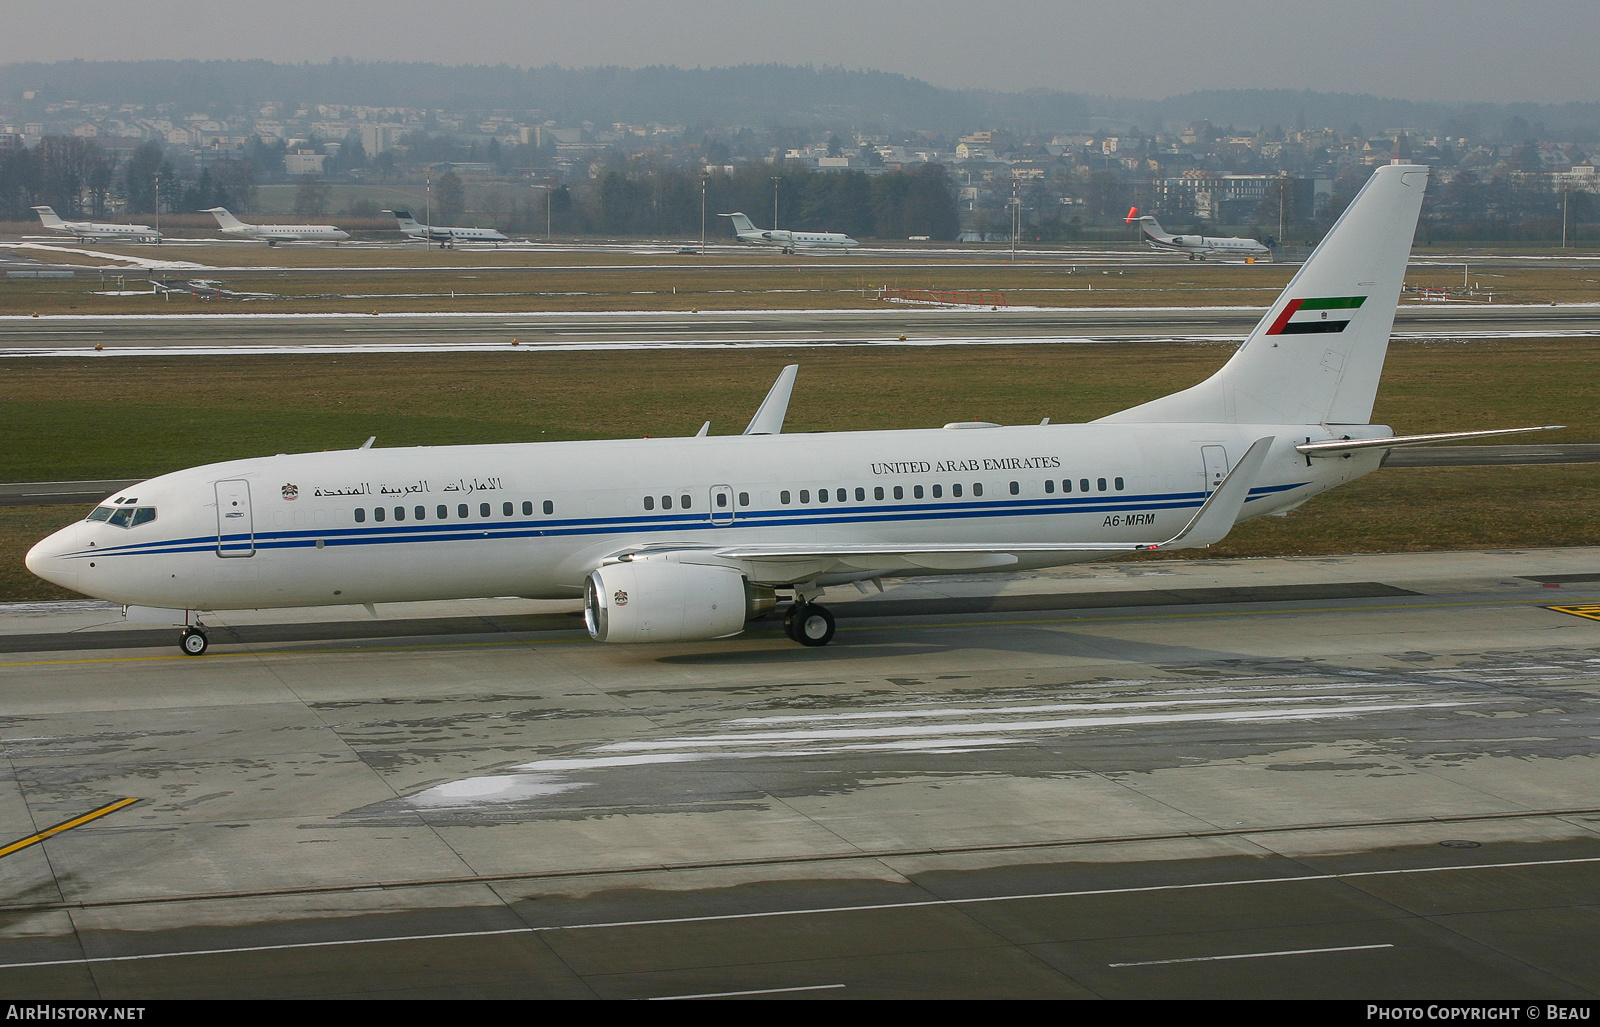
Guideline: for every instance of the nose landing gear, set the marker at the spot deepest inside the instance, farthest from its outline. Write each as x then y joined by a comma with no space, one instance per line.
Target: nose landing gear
193,641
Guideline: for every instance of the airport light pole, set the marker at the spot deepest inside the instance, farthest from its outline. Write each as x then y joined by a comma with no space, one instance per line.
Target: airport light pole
703,181
775,181
547,193
427,210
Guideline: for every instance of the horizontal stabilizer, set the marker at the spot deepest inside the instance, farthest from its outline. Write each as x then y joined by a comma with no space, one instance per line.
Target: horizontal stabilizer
1339,447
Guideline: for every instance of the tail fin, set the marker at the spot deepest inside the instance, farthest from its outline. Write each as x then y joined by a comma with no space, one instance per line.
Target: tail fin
1316,356
1147,224
740,223
405,218
47,217
225,219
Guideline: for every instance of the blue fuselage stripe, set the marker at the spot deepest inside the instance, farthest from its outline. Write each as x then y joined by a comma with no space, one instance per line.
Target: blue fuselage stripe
829,515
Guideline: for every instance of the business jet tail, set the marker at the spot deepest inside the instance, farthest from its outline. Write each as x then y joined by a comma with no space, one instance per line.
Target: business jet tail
225,219
1316,356
47,216
407,222
740,223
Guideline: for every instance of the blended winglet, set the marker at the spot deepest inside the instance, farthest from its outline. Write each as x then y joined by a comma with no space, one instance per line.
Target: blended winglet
769,416
1217,514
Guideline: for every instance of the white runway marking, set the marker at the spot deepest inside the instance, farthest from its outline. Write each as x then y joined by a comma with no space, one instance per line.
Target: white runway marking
874,907
1254,955
739,994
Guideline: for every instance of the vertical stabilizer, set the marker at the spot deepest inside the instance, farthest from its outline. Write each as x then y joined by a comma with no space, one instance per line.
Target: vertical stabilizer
225,219
1316,356
741,223
407,222
47,217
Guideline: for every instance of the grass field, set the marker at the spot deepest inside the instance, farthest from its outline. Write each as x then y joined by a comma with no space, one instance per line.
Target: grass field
350,280
69,419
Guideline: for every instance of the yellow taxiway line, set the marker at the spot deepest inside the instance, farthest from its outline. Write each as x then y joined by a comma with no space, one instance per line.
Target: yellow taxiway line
65,825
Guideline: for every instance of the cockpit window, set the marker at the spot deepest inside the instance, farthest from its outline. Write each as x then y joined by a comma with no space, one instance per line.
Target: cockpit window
123,516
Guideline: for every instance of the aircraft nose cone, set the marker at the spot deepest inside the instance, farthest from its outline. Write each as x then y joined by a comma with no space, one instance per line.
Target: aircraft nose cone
46,558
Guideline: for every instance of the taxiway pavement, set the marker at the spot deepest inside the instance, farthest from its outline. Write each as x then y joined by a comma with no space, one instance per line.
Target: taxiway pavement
242,334
1364,777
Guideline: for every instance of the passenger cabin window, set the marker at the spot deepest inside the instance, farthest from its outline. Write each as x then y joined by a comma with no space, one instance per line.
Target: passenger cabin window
1016,488
1083,484
649,502
938,492
1066,485
507,509
377,513
861,495
805,495
1049,486
442,512
462,510
783,497
527,508
666,502
549,507
722,499
1102,484
877,493
684,500
916,491
977,488
1118,484
955,490
399,513
361,515
744,499
483,509
899,492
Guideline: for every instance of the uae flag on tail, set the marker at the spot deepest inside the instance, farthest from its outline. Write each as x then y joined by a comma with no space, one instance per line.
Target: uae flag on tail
1316,316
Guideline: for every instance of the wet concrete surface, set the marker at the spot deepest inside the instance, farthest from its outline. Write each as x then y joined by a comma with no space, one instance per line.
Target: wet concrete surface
1067,784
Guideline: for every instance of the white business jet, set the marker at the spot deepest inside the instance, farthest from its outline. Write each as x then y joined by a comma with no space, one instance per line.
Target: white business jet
746,231
1198,247
94,231
684,539
443,235
272,235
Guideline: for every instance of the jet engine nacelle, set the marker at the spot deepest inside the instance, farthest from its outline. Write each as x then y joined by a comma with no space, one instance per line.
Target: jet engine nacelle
662,601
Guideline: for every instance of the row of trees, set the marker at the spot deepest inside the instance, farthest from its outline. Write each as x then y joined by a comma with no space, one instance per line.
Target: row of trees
80,178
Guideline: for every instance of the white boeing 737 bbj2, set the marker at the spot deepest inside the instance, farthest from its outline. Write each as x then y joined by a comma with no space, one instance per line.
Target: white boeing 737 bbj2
272,235
682,539
746,231
1198,247
94,231
444,235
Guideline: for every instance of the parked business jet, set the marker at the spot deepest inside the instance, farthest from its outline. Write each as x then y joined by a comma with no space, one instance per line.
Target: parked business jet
746,231
1198,247
94,231
683,539
272,235
444,236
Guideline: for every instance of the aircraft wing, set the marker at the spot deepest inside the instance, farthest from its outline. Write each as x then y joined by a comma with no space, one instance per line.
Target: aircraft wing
769,563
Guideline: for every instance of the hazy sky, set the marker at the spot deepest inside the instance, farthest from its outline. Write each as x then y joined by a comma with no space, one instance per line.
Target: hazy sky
1537,50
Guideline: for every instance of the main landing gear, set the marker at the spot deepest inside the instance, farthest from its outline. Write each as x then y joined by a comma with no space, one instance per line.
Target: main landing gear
808,624
193,641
